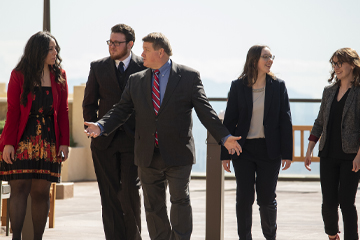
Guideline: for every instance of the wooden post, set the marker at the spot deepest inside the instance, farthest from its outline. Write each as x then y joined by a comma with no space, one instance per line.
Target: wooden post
214,192
46,16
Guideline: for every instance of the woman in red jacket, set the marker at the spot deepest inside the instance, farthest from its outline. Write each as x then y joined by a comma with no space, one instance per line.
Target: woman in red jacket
35,138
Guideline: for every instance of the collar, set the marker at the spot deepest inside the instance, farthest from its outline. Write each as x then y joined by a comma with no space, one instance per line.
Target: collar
126,62
164,68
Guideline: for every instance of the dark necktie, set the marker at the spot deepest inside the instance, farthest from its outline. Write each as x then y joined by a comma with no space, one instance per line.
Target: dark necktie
156,98
121,67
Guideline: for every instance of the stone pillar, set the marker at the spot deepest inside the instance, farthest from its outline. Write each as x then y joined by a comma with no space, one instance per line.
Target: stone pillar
79,166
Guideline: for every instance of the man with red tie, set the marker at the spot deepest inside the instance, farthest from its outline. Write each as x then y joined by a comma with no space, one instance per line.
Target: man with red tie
163,97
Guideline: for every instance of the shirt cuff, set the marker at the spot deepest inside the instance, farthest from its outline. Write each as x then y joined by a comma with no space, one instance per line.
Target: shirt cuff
101,128
223,140
313,138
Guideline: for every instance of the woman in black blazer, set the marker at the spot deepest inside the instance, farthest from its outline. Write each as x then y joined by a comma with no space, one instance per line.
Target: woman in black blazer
338,124
258,110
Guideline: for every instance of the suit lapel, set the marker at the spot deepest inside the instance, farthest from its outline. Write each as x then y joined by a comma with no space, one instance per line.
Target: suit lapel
248,98
268,95
329,100
348,101
174,79
111,72
146,86
133,67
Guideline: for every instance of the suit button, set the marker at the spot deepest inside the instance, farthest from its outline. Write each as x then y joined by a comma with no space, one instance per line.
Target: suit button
156,120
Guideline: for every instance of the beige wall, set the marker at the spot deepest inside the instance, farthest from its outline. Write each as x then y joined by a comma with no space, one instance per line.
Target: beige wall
79,166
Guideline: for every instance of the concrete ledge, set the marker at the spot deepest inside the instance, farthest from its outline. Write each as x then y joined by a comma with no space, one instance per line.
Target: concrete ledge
64,190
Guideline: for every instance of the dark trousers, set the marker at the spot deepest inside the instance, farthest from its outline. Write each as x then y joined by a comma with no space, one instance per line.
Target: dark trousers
119,189
154,180
255,171
339,186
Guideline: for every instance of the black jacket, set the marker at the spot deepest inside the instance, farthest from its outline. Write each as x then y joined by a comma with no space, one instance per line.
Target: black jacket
277,117
103,91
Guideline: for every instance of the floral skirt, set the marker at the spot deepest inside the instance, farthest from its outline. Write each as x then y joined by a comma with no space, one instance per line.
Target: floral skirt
36,156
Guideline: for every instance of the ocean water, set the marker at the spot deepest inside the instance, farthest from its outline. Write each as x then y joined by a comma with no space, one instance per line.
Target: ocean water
302,114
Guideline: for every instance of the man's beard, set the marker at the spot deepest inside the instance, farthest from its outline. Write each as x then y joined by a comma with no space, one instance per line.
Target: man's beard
118,56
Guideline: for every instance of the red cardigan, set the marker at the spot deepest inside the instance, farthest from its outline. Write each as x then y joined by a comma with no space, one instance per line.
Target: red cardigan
17,115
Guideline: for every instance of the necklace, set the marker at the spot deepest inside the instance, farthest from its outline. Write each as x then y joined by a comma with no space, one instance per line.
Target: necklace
258,93
259,89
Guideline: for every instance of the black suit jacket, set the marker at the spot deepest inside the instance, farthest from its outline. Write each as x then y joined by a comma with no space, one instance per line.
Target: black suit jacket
103,91
174,123
277,117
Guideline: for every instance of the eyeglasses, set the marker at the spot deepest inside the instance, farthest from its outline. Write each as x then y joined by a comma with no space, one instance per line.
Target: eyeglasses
268,57
115,43
338,64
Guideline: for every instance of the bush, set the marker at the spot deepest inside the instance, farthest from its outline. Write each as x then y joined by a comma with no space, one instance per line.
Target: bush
2,124
72,142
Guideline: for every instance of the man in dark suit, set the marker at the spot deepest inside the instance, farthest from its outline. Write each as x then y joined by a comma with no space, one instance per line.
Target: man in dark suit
113,155
163,97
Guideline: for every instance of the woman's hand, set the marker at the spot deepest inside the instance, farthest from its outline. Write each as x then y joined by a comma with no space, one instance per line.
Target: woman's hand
226,165
356,163
307,160
8,154
285,164
65,150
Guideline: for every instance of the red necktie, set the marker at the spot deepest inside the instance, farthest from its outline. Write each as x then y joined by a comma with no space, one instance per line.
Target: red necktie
156,98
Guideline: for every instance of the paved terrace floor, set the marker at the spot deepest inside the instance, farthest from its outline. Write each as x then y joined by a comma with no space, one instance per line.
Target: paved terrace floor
299,215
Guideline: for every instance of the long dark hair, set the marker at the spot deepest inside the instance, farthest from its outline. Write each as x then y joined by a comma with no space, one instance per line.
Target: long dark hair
32,62
250,71
349,56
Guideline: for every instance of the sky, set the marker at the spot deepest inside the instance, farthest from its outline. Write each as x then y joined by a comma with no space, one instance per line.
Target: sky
210,36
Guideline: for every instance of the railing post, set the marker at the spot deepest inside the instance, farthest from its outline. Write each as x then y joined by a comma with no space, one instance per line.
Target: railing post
46,16
214,192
